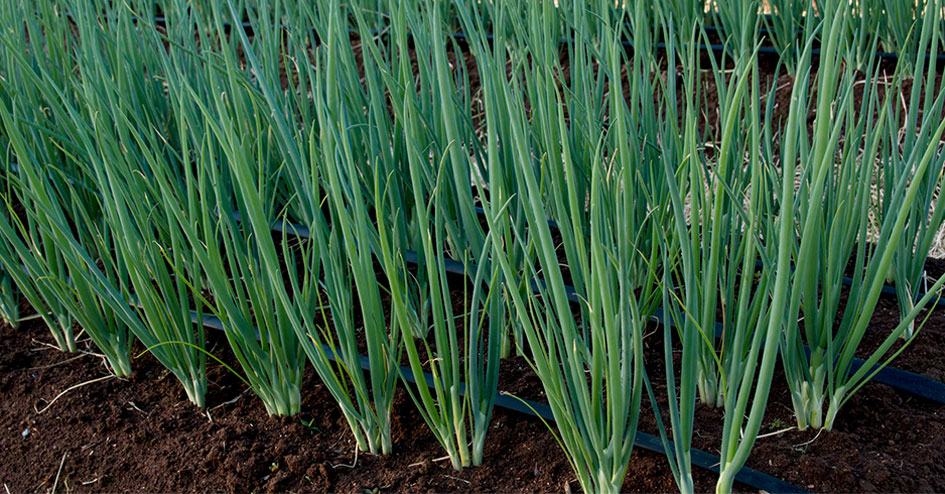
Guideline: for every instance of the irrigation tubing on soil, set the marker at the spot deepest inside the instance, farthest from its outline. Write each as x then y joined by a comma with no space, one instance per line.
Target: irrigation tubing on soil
750,477
909,382
891,291
887,290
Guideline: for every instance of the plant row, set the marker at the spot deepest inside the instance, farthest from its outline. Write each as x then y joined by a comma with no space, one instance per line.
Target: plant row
145,164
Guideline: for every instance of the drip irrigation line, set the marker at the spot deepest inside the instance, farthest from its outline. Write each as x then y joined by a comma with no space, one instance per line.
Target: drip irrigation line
750,477
887,290
303,231
890,290
909,382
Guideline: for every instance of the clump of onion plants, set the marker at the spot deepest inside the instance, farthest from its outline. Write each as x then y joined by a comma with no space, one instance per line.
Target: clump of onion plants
903,148
836,164
585,343
58,244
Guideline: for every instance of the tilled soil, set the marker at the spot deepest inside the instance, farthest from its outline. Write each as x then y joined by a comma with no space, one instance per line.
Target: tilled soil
141,434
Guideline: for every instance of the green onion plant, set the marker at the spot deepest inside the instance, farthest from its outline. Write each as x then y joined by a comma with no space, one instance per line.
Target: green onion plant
588,354
832,217
905,144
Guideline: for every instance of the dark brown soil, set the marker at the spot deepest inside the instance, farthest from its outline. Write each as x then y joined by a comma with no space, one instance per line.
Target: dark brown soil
141,434
883,440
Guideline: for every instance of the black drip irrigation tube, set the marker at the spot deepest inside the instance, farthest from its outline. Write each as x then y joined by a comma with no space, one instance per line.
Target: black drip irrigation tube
905,381
887,290
902,380
750,477
890,290
909,382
